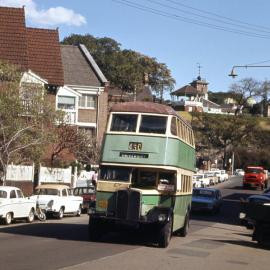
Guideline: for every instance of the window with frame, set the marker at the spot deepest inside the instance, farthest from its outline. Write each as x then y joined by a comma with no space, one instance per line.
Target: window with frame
66,103
174,126
153,124
64,193
87,101
19,194
13,194
124,122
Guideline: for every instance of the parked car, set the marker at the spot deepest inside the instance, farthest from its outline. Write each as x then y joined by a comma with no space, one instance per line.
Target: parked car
58,200
88,194
212,176
224,174
206,199
13,205
239,172
221,176
200,180
247,206
255,177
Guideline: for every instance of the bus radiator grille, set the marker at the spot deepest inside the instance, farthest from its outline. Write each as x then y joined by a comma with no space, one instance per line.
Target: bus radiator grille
128,204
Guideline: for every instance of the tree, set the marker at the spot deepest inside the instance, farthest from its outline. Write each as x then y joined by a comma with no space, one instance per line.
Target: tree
87,149
125,68
25,118
245,90
84,148
223,132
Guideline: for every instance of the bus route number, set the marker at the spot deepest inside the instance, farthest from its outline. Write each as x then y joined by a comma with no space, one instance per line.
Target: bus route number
135,146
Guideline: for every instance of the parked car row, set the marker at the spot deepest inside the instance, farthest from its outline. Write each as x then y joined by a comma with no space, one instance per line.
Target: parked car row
209,178
52,199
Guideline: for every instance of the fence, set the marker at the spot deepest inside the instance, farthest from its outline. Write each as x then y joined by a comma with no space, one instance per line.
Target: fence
20,173
55,175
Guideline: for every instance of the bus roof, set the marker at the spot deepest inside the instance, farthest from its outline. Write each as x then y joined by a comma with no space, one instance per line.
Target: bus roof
145,107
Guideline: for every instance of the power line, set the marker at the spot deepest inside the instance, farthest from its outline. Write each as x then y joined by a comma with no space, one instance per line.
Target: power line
218,15
257,63
241,25
188,20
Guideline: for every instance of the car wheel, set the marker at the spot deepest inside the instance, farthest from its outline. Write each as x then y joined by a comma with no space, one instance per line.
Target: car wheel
60,214
8,218
79,211
31,216
165,234
184,230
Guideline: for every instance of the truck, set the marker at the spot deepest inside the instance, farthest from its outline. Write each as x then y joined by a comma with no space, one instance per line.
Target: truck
255,176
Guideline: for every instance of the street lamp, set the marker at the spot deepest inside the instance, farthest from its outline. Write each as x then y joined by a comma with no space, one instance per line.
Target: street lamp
233,74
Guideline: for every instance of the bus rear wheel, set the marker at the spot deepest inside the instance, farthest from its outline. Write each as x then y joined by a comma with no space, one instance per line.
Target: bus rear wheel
184,231
165,234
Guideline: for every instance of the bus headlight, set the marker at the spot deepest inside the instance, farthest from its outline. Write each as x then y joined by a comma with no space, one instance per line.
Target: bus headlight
162,217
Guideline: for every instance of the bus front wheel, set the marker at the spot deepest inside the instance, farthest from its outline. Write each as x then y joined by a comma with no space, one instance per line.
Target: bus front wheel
164,234
94,231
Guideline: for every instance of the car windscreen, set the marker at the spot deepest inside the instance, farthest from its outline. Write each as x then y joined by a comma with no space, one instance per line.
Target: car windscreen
253,170
112,173
198,177
203,193
153,124
124,122
3,194
47,191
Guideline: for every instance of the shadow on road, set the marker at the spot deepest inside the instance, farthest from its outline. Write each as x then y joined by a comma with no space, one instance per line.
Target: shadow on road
244,243
229,212
78,232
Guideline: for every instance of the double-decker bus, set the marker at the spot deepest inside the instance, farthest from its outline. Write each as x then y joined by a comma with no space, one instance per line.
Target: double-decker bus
146,168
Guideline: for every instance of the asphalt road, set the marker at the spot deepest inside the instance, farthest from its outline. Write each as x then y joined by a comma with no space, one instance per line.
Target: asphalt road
63,244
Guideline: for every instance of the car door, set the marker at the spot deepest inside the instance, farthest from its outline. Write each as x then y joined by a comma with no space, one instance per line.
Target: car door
66,201
23,204
14,204
74,200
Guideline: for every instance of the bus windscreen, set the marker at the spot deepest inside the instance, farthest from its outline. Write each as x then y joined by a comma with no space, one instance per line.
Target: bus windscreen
124,122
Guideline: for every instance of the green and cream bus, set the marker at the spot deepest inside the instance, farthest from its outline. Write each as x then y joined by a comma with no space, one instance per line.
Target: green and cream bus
146,169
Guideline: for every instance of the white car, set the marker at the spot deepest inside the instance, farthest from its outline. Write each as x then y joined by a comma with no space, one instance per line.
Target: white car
58,200
225,175
200,180
221,175
13,205
212,176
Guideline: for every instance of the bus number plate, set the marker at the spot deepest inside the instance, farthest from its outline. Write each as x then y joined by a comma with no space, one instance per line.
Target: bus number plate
135,146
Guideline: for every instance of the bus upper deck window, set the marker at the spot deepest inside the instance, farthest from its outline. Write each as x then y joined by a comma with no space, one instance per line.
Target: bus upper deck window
153,124
174,126
124,122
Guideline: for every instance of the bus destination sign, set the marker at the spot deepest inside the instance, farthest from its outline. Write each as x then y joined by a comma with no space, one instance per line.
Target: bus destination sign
135,146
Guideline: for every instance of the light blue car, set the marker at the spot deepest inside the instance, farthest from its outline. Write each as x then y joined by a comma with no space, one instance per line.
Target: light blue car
206,199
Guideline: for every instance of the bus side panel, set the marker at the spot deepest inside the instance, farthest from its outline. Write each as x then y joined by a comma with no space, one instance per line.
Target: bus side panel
182,202
184,155
154,151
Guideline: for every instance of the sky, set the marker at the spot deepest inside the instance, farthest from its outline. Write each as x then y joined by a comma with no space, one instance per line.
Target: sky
183,34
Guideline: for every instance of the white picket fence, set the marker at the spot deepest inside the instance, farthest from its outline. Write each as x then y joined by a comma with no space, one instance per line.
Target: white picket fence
20,173
55,175
46,174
